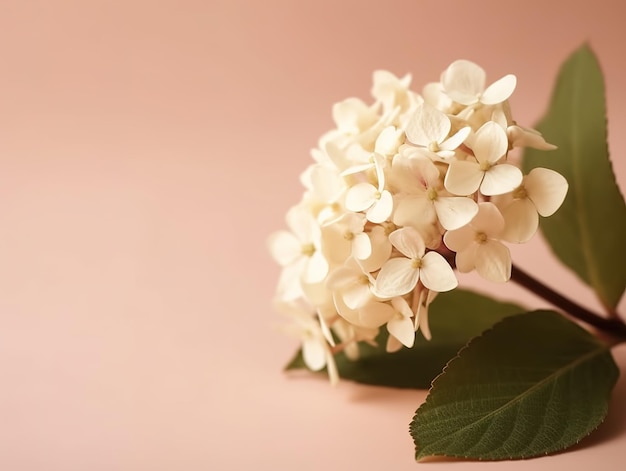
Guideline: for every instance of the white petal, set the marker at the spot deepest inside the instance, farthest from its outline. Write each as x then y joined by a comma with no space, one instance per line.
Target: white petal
357,295
379,162
388,141
381,209
333,372
396,278
327,183
427,125
442,155
289,286
464,81
341,278
413,209
436,273
499,116
434,95
500,179
354,222
381,249
408,241
357,168
421,316
466,259
455,211
314,353
371,315
336,248
546,189
488,220
374,314
361,246
316,268
401,306
325,330
393,344
522,137
499,90
521,221
463,177
456,139
490,142
352,115
493,261
402,329
424,170
361,196
284,247
302,223
336,154
459,239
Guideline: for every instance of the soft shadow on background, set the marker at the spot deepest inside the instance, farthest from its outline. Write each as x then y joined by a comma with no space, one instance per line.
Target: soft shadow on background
147,150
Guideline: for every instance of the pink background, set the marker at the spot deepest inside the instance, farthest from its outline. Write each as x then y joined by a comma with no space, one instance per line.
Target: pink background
147,149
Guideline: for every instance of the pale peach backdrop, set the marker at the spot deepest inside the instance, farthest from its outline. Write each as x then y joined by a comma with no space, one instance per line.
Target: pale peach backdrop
147,149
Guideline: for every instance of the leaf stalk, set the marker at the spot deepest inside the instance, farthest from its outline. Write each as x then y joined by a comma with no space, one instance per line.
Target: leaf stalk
613,326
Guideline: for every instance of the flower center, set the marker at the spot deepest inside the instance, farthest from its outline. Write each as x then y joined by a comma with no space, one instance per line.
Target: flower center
520,193
484,166
308,250
481,237
431,194
434,146
416,263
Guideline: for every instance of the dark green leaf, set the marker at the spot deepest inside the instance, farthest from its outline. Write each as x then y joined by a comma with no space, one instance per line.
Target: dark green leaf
534,384
588,232
455,317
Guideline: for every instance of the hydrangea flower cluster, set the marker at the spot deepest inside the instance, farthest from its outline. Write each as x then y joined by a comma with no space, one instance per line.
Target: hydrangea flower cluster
400,194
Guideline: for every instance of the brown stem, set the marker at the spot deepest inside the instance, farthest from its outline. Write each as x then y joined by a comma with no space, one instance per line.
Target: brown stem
613,326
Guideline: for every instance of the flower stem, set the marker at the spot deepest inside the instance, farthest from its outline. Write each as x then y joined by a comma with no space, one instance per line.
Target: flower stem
613,326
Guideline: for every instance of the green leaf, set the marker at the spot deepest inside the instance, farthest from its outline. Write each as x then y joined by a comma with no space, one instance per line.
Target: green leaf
534,384
455,317
588,232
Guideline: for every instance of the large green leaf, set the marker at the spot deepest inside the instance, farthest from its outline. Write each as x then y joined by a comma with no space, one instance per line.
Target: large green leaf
534,384
455,317
588,232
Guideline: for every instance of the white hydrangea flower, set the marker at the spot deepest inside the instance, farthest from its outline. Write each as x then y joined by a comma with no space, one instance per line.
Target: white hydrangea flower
381,249
372,315
400,275
397,183
423,199
429,128
465,177
400,325
541,193
377,202
310,328
324,182
464,82
344,237
301,247
478,245
435,95
352,116
391,91
351,284
519,136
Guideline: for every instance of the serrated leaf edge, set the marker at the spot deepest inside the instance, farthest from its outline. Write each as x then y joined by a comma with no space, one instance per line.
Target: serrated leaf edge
419,456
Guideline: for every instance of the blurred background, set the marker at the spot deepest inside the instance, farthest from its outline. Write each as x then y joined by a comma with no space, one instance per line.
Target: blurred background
147,150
